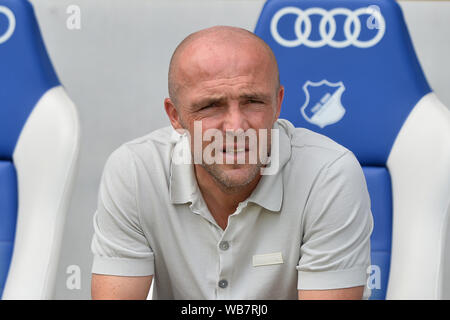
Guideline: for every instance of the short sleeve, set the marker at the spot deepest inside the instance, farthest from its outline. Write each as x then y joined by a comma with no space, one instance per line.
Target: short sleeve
119,245
335,249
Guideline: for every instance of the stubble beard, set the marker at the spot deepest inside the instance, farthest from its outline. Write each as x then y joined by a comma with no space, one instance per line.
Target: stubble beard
223,176
223,180
227,183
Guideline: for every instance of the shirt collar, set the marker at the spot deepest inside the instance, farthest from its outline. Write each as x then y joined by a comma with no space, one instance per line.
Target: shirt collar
183,183
270,189
268,193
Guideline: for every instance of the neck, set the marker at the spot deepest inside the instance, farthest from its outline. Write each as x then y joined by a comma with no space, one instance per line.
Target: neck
222,201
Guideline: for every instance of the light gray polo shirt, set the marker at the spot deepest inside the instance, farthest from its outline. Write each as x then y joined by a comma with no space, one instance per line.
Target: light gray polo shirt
306,227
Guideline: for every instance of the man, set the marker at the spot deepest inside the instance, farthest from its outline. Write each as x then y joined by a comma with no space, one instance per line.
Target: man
224,229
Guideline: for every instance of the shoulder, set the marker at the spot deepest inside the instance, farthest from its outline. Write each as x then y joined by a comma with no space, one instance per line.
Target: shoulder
158,139
156,142
310,149
152,150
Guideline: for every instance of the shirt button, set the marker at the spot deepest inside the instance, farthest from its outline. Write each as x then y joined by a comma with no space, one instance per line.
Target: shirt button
223,284
224,245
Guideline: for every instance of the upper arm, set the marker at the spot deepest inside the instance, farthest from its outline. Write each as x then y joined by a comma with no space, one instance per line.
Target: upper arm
107,287
354,293
119,244
335,249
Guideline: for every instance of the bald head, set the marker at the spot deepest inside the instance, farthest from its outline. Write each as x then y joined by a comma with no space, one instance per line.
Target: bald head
223,44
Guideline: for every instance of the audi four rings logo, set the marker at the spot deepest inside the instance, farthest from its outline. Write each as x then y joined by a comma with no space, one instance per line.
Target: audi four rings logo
11,24
326,37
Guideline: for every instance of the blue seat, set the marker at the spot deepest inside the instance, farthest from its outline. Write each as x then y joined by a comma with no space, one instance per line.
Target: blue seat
39,141
350,72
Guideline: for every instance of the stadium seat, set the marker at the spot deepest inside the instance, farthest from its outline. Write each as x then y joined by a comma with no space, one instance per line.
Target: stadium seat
351,73
39,143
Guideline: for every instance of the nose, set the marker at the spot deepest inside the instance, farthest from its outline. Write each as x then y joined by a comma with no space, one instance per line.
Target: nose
235,119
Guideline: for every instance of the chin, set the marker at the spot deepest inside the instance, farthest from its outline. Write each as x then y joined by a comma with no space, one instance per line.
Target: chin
233,176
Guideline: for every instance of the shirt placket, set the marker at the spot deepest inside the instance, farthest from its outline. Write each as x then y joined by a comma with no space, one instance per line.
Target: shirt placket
225,249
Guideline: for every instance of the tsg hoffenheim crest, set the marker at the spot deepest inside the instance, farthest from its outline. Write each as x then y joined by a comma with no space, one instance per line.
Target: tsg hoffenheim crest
323,104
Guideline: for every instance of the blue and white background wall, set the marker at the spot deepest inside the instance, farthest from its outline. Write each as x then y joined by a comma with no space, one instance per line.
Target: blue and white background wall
113,63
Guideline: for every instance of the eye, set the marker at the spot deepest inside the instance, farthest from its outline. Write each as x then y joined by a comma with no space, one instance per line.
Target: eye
207,106
254,101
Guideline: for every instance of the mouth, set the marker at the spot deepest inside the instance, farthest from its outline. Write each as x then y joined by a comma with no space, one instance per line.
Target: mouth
234,154
234,149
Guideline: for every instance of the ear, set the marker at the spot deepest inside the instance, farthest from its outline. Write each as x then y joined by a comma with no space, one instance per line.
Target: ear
280,97
173,114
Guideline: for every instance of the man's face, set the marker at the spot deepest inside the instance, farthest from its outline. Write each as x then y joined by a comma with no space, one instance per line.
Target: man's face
232,89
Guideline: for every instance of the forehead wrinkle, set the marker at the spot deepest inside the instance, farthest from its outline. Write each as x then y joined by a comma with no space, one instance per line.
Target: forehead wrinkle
224,98
246,89
243,82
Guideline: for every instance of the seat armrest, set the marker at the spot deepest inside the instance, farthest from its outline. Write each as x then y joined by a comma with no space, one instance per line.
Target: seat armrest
45,158
419,164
